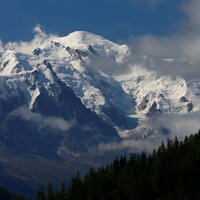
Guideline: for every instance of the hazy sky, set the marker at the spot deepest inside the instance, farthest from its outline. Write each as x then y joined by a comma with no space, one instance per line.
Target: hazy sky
114,19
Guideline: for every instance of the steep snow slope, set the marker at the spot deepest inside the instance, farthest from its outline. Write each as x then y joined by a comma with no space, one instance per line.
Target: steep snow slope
93,68
79,60
41,91
154,93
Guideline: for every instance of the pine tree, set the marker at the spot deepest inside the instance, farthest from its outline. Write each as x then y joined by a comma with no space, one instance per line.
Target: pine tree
76,190
50,192
171,172
41,195
62,192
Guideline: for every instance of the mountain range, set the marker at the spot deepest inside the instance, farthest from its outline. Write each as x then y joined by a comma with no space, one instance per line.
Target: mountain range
68,103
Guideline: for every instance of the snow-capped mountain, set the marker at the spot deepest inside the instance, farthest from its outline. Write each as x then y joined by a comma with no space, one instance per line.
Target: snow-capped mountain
66,97
154,93
93,68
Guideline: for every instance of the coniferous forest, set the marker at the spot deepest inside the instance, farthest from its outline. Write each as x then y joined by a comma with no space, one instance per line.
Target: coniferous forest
170,173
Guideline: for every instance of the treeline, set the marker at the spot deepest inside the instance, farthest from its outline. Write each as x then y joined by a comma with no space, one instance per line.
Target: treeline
170,173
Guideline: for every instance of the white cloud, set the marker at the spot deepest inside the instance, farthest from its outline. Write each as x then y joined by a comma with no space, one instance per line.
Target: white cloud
127,146
43,121
182,47
41,39
178,125
181,125
38,30
1,46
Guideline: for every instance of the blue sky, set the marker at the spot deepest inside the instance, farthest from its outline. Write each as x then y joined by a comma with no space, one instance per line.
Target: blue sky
114,19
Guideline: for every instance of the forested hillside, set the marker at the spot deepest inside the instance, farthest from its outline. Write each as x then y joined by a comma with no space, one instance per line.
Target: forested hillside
170,173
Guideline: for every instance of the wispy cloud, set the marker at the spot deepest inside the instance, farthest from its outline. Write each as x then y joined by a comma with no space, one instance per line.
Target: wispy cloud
126,146
180,125
39,31
1,46
43,121
41,39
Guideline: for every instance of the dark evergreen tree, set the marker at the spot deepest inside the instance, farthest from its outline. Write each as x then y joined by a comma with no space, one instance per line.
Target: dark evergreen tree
41,195
170,173
62,192
50,192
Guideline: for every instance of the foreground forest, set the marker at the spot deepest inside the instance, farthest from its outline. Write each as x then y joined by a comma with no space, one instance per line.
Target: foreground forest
170,173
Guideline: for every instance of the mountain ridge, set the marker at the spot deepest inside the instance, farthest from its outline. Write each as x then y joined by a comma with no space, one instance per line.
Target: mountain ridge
85,62
82,98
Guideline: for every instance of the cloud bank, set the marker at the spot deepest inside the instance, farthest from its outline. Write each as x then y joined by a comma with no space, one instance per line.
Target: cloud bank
176,54
180,125
177,125
43,122
126,146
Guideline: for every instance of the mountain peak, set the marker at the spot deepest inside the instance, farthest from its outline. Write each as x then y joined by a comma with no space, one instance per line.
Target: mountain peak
83,37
